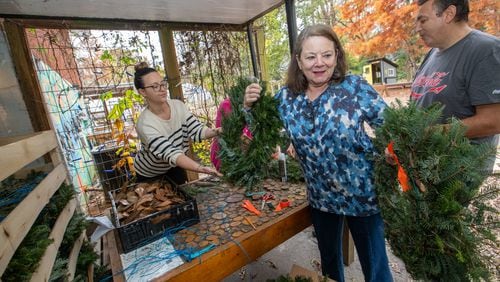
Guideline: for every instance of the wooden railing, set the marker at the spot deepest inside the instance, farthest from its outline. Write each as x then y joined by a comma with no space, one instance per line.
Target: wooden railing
16,153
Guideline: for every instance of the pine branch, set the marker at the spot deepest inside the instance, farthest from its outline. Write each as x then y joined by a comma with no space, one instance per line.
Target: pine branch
440,161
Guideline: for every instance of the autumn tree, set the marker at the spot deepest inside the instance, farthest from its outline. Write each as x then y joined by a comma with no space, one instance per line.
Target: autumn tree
375,28
485,16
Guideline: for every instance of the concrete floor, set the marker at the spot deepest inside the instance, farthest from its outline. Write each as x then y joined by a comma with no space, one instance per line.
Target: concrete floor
302,249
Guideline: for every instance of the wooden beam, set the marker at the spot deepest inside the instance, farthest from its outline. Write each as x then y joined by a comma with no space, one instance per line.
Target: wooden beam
17,154
250,246
101,24
73,256
26,75
16,225
49,257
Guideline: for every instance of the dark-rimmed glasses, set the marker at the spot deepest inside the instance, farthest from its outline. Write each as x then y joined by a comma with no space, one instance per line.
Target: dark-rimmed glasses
158,86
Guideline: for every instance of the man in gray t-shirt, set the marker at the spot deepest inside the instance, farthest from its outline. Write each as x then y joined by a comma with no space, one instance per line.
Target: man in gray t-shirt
462,71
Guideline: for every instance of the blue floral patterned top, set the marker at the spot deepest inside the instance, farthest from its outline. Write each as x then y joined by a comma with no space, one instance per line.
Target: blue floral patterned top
333,148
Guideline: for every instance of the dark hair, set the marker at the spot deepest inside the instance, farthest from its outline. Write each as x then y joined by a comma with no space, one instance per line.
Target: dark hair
296,81
441,5
141,69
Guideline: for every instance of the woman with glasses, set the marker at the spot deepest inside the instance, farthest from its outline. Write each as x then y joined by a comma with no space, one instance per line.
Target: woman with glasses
165,127
323,110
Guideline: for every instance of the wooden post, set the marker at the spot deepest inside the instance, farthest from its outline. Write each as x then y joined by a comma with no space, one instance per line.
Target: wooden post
26,74
174,77
170,62
28,82
347,246
261,52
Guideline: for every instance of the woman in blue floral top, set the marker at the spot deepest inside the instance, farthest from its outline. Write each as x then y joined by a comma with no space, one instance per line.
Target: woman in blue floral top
323,111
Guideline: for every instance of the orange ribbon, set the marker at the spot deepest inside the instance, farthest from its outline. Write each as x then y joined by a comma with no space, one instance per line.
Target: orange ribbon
402,176
247,205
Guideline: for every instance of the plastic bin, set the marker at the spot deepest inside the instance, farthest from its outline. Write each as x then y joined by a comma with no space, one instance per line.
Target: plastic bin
147,229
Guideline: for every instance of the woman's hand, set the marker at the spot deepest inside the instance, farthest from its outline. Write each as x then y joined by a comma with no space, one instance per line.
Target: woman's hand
218,131
252,94
209,170
291,151
213,132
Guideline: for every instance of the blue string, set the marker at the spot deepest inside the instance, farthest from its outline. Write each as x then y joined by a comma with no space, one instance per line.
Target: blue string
18,194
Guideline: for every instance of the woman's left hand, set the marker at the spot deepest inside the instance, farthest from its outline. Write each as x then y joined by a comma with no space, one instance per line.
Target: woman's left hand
209,170
213,132
218,131
252,94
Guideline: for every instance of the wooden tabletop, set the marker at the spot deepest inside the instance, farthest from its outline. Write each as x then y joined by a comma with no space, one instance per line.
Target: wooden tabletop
225,224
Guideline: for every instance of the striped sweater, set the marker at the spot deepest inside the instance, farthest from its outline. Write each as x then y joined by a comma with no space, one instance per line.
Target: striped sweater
163,141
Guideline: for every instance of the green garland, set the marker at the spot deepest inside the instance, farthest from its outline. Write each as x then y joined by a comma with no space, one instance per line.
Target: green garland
243,165
27,257
436,226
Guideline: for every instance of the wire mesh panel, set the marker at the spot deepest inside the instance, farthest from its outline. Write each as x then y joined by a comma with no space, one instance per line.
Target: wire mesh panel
85,76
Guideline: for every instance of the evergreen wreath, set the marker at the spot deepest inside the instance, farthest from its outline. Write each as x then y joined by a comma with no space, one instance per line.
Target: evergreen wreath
243,164
436,226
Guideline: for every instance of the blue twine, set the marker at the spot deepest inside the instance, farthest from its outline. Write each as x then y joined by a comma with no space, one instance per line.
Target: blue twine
18,194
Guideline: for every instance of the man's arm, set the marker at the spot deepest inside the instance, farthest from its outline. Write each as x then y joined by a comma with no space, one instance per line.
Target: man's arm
485,122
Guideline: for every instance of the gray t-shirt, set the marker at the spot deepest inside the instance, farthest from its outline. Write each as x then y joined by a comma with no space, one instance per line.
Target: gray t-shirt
461,77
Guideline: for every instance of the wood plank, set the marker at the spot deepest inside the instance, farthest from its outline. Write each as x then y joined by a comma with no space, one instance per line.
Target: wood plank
90,273
45,268
114,257
10,139
119,24
16,225
105,260
73,256
232,256
347,246
18,154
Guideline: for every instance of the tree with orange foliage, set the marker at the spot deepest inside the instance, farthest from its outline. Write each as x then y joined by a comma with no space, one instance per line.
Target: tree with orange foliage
376,28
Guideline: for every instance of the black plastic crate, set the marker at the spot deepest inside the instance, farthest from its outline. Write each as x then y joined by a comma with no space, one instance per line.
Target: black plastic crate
147,229
104,160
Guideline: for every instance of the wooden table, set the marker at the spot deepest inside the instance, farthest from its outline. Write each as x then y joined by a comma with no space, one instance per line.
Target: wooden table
230,256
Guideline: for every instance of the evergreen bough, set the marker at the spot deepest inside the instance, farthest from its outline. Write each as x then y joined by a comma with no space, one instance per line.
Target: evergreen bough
27,257
437,226
246,165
